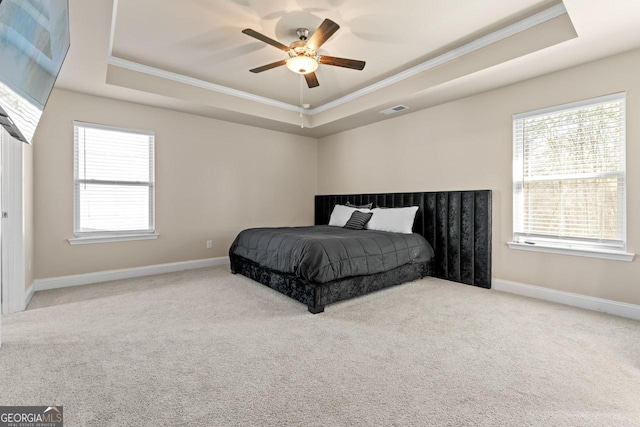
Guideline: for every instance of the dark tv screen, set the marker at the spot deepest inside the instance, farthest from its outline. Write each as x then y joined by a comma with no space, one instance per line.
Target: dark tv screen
34,40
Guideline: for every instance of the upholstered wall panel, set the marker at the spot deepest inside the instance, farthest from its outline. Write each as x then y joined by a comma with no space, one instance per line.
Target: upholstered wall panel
456,223
467,239
482,239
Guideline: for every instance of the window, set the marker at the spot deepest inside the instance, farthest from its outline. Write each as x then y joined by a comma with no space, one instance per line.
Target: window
113,183
569,177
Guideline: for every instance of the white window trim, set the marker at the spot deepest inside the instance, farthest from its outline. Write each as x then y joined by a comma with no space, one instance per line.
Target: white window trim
111,239
568,250
83,238
557,247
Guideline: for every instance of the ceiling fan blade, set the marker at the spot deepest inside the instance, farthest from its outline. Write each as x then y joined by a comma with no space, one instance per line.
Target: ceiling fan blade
263,38
312,80
342,62
269,66
322,34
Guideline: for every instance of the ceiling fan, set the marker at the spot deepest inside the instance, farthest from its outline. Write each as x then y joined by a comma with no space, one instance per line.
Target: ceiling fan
303,53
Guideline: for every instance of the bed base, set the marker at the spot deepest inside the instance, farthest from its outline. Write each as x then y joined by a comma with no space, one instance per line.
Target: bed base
317,295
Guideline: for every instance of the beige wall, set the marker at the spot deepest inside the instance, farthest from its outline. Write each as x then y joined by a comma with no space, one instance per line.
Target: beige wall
467,144
213,179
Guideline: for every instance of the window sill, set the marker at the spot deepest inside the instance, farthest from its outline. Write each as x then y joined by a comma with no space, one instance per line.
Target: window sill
112,238
562,250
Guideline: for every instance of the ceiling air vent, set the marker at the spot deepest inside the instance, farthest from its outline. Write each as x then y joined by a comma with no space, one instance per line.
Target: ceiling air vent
395,109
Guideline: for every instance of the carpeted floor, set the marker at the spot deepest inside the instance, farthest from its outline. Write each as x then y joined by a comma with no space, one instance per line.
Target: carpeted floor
206,348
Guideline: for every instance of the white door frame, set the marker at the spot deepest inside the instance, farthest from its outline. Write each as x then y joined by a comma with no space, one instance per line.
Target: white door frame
12,234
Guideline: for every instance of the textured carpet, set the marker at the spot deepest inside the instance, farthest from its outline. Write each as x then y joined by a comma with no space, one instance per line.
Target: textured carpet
206,348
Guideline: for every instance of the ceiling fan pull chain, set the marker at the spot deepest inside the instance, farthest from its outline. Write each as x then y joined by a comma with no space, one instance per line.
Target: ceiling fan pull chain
301,102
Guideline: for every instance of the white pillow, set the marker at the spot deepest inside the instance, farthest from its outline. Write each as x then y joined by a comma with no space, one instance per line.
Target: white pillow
396,220
341,214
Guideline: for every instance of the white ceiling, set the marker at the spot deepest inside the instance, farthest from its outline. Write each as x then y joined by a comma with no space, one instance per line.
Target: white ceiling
191,55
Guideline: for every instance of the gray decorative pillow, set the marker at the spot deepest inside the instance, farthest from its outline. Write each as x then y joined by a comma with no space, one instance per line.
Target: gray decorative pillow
367,206
358,220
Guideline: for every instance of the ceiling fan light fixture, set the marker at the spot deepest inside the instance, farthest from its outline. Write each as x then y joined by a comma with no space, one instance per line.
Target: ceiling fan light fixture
302,64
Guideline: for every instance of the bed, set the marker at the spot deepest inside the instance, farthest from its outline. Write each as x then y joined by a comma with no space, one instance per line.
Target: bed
456,225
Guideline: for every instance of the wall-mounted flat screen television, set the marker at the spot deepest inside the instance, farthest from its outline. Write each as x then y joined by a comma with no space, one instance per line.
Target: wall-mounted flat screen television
34,40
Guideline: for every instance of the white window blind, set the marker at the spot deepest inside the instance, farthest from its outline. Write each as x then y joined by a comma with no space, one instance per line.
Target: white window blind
569,174
113,180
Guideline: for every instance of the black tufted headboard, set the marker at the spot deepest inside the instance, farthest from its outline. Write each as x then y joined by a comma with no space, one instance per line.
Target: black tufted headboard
456,223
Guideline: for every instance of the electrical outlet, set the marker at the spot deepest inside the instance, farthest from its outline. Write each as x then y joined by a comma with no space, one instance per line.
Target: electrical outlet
209,244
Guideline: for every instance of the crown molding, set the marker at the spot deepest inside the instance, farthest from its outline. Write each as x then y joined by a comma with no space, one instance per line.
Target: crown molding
181,78
114,14
501,34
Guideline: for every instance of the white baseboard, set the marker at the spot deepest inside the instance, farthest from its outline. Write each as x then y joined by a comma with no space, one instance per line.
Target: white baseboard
28,295
126,273
622,309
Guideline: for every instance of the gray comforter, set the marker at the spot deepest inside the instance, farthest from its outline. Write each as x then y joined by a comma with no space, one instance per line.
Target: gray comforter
324,253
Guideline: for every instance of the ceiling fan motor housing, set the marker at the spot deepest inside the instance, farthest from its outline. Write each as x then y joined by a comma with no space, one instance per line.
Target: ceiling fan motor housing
299,47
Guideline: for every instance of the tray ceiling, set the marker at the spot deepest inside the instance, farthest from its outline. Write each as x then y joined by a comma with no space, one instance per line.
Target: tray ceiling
191,55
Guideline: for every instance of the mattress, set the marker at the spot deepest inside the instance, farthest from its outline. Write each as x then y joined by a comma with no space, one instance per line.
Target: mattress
325,253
